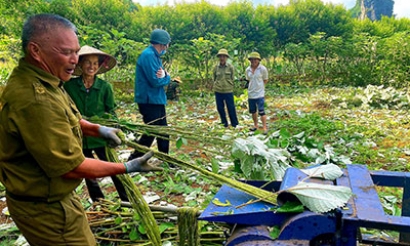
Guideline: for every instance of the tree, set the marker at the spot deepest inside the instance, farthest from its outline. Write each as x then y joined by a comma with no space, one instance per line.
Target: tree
183,21
296,54
109,14
294,23
65,9
324,49
13,14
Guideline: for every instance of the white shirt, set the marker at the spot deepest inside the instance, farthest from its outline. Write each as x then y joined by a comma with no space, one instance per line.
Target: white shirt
256,87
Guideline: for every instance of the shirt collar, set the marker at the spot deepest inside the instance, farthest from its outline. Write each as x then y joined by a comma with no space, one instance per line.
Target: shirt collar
257,68
40,73
96,85
155,50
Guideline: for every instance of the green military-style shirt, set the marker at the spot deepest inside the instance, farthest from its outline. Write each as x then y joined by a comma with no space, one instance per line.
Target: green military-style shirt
40,135
223,78
98,100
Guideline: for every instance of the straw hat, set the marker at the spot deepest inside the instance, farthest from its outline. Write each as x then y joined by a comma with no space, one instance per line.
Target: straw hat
254,55
222,52
106,61
177,79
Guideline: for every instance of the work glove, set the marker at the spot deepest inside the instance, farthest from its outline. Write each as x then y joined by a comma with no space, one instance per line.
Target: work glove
110,134
141,164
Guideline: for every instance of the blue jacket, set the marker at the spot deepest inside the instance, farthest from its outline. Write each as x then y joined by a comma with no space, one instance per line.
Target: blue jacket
148,88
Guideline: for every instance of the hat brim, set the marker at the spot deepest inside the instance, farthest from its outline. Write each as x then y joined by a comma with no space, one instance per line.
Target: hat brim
108,62
222,54
255,58
177,80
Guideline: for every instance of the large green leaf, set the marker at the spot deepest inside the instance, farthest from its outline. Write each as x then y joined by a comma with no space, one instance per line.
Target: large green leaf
329,172
258,161
321,198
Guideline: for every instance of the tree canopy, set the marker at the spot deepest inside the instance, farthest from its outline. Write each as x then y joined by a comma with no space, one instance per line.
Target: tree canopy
310,35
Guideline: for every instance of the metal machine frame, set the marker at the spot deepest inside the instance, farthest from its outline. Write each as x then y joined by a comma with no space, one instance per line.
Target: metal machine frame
339,227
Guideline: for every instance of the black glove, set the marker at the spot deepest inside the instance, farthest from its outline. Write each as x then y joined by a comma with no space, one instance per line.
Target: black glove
110,134
141,165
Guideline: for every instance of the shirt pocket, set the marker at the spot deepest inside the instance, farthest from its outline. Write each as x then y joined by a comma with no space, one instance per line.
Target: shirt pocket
74,118
219,75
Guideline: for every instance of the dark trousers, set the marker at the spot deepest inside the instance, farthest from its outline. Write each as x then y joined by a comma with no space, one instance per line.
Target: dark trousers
223,99
152,114
93,187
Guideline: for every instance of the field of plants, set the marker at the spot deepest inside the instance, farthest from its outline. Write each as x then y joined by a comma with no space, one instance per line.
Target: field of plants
338,93
308,125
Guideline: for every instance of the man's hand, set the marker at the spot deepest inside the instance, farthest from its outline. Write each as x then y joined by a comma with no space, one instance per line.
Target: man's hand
141,164
110,134
161,73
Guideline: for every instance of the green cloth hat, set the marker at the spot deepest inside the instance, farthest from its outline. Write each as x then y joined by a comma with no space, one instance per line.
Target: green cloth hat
254,55
159,36
222,52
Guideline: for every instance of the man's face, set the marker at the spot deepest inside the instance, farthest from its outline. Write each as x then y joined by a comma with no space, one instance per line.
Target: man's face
89,65
254,62
164,47
223,59
58,54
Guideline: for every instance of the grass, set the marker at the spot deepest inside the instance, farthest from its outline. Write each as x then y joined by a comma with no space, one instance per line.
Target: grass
376,137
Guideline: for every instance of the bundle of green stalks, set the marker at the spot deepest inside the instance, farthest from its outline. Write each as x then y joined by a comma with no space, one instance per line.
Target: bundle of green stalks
259,193
108,229
164,132
138,203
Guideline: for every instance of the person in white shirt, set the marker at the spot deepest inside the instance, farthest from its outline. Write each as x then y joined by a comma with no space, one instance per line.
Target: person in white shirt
257,75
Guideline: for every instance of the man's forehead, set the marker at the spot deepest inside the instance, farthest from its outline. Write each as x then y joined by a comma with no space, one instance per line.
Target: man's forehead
64,37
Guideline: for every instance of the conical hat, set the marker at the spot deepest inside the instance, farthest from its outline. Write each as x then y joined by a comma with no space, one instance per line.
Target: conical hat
107,62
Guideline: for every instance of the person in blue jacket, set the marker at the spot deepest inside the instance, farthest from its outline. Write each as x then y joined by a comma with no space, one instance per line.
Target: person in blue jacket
150,95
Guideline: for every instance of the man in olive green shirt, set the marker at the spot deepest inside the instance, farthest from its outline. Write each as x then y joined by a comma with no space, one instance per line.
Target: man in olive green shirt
41,161
223,77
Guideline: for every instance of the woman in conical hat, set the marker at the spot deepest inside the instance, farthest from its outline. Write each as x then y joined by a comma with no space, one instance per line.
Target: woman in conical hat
94,97
173,90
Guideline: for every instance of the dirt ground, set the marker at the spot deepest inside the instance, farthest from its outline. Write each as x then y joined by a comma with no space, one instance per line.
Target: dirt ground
3,218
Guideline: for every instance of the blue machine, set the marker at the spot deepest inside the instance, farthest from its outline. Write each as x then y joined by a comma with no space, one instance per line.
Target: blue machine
339,227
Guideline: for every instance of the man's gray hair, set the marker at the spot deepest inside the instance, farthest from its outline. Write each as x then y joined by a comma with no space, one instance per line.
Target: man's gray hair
38,25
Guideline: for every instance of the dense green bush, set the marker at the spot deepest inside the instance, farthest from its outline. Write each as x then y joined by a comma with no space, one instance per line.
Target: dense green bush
306,40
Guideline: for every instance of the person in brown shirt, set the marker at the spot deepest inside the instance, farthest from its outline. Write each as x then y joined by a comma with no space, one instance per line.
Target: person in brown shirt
223,77
41,159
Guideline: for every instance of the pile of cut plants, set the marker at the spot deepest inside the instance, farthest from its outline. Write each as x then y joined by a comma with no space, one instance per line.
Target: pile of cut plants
307,126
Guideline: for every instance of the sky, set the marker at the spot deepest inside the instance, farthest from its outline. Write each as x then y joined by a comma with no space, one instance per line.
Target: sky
401,7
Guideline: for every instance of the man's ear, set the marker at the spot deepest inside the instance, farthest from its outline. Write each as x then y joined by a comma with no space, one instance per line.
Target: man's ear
34,50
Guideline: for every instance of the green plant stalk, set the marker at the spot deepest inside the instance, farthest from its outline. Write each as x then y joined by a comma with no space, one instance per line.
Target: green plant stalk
264,195
159,131
138,203
188,230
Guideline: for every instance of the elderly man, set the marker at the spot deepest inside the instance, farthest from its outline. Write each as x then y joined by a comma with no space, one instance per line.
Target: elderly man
41,159
150,95
223,86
